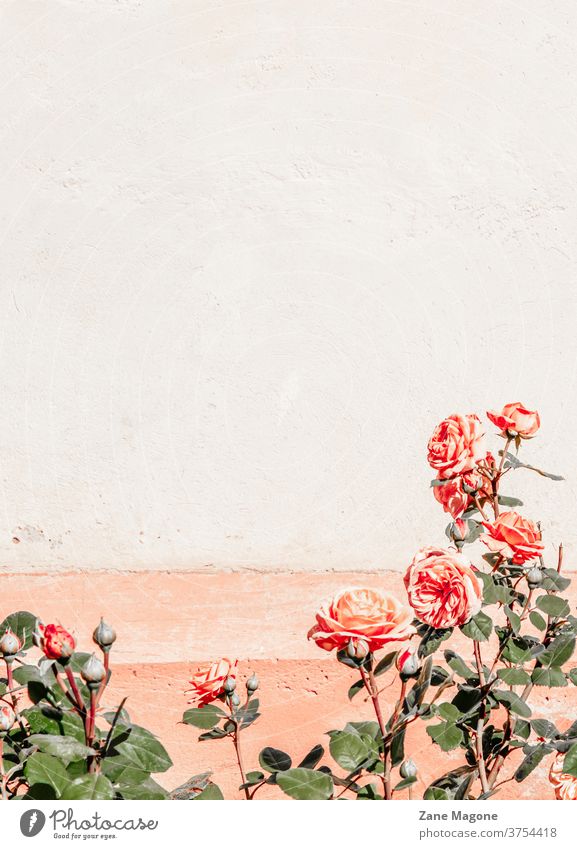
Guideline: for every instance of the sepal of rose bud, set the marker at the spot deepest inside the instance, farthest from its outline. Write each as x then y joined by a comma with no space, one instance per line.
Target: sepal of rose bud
10,644
229,686
235,700
252,684
408,663
7,718
93,672
534,577
357,649
104,636
408,769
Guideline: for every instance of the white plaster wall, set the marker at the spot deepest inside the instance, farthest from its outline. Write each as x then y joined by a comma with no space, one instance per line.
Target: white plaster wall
251,253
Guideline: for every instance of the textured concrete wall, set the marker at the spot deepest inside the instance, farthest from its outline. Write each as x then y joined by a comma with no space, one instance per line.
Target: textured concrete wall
252,252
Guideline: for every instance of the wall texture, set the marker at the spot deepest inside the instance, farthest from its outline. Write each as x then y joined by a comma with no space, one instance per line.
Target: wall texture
253,251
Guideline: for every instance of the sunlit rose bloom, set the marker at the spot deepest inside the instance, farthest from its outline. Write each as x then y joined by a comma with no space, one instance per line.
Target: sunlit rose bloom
565,785
455,495
516,420
56,642
361,616
207,683
456,446
442,587
514,537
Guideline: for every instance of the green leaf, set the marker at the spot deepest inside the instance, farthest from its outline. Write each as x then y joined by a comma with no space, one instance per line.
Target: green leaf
449,712
552,605
348,750
204,717
52,720
67,749
570,761
212,793
522,729
551,677
573,676
406,782
559,651
537,620
89,787
457,664
478,628
509,501
543,728
311,760
532,760
356,688
46,769
22,624
435,794
274,760
513,462
137,748
368,726
514,619
513,676
148,789
307,784
398,747
446,735
432,639
513,702
554,581
192,787
385,663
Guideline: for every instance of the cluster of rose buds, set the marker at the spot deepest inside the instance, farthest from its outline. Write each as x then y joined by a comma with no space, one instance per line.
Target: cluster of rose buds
217,680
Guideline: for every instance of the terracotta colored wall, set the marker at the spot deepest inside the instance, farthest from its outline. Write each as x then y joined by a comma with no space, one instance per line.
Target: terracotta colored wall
169,622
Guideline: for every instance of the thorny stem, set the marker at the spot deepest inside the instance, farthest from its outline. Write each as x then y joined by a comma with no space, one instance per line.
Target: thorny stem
75,690
371,686
481,722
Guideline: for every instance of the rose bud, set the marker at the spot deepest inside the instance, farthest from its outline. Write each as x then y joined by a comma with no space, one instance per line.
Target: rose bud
252,684
56,642
93,672
408,769
408,663
104,636
7,718
357,649
229,686
10,643
235,700
534,577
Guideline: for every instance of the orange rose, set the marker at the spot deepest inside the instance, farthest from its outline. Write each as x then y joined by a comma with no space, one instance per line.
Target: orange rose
442,587
565,785
514,537
456,445
361,616
516,420
453,495
56,642
207,683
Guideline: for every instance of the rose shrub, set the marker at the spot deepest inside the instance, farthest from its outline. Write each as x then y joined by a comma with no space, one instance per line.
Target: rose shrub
509,604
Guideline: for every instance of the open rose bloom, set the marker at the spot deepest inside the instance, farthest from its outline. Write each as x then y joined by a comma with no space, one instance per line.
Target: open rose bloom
516,420
207,683
442,587
565,785
456,446
514,537
362,615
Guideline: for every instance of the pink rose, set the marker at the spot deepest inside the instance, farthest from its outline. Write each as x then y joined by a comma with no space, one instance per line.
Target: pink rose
516,420
456,445
361,616
514,537
207,683
442,587
564,784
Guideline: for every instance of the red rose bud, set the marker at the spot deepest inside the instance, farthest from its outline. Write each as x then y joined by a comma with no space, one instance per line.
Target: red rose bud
357,649
7,718
56,642
408,769
408,663
10,643
104,636
93,672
